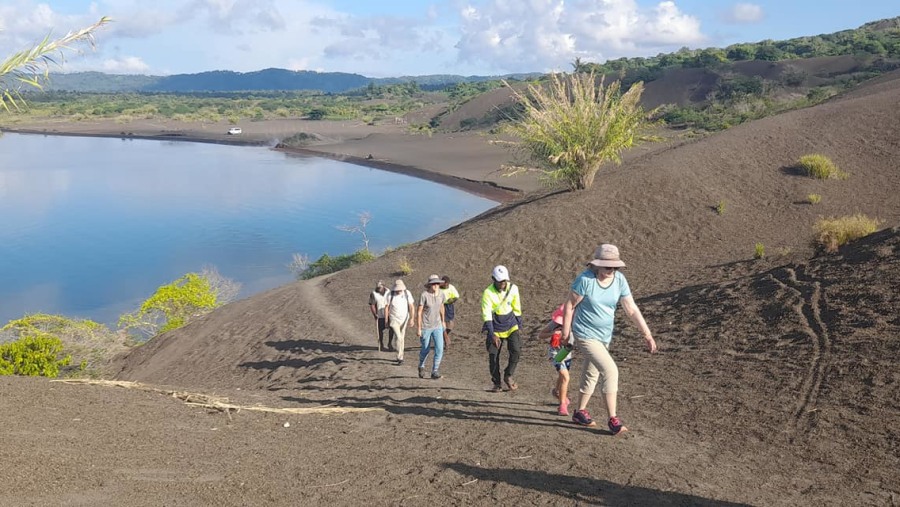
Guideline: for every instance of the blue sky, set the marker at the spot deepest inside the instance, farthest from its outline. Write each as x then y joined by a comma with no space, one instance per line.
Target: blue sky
410,37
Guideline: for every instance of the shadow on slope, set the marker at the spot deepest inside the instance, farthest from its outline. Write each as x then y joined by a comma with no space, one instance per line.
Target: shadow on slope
584,489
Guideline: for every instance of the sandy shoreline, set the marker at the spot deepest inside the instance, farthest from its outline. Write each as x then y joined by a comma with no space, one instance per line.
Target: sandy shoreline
465,161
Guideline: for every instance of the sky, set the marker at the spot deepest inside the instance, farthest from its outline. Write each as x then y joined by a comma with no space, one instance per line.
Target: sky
393,38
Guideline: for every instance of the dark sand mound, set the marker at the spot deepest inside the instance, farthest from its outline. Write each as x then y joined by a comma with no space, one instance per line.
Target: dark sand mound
775,384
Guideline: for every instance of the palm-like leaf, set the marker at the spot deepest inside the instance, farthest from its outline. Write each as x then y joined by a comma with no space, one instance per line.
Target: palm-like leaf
31,67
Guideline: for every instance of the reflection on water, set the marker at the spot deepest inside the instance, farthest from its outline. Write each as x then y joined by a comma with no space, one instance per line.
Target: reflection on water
92,226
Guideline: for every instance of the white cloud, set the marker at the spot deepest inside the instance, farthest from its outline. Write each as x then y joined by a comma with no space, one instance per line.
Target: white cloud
743,13
547,34
125,65
453,36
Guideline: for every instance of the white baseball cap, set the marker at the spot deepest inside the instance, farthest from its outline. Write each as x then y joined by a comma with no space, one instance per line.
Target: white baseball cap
500,273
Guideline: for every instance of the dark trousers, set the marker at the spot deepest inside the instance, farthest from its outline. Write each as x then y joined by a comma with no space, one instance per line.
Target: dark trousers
514,344
381,329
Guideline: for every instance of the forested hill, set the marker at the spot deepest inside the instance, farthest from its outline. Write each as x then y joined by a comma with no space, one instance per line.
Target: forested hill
229,81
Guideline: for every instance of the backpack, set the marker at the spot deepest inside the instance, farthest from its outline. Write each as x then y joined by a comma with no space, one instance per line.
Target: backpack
407,294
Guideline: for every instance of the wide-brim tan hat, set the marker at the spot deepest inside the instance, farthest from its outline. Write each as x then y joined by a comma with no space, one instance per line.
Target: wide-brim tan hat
433,279
399,285
607,256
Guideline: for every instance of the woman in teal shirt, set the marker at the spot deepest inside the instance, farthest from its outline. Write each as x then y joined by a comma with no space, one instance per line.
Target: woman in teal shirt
589,315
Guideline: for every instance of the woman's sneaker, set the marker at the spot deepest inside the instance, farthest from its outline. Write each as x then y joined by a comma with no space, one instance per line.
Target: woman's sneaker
583,418
564,408
616,426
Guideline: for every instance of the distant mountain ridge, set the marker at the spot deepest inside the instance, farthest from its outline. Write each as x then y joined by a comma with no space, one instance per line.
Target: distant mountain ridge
262,80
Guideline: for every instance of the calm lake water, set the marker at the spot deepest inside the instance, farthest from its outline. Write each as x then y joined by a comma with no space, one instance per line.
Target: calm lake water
90,227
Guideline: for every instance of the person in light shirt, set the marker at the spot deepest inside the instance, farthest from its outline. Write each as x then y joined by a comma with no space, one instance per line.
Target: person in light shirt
589,315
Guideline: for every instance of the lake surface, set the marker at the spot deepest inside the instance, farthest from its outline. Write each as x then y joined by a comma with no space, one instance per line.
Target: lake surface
90,227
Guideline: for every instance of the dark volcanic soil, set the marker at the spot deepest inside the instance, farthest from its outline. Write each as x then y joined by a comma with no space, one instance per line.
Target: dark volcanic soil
776,382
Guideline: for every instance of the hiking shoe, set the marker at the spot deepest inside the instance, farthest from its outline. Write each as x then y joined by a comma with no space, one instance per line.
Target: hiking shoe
581,417
496,389
421,372
399,362
555,393
564,408
616,426
510,383
435,375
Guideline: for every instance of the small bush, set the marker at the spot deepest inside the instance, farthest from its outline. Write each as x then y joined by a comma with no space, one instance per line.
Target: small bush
720,207
821,167
35,354
174,305
327,264
300,139
814,198
405,268
759,251
90,344
834,232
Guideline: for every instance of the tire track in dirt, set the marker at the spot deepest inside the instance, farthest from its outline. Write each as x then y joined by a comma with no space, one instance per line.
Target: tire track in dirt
809,308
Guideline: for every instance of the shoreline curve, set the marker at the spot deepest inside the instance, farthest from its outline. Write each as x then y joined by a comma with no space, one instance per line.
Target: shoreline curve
485,189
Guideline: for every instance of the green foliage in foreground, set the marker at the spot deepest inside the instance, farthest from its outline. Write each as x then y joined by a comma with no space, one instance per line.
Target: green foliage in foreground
31,66
821,167
34,354
834,232
172,305
328,264
90,344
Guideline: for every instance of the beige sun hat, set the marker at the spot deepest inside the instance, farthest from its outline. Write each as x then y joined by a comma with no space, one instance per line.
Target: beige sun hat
607,256
433,279
399,285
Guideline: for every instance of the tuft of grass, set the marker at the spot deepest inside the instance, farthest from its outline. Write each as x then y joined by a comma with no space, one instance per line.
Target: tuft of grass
404,268
821,167
814,198
720,207
759,251
834,232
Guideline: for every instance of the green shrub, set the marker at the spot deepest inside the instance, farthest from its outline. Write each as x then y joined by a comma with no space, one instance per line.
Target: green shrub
35,354
759,251
821,167
834,232
90,344
720,207
174,304
327,264
814,198
405,268
576,123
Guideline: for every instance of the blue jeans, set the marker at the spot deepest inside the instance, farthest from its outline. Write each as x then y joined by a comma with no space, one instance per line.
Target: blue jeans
436,334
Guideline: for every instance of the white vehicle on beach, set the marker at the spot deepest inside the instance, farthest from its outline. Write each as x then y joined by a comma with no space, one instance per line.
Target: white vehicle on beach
233,131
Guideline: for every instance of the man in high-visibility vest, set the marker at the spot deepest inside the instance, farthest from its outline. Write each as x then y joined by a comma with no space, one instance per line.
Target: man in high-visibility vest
501,311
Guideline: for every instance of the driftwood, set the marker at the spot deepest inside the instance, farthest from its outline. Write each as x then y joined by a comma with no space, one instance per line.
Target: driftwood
217,402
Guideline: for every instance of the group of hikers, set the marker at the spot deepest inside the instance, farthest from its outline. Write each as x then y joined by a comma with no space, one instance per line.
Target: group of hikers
584,321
